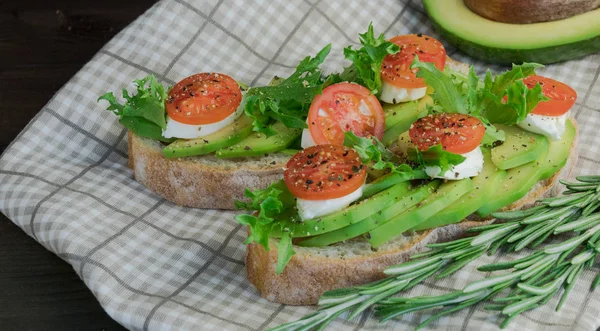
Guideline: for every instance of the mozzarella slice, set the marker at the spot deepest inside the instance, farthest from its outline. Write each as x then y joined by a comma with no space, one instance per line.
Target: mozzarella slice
552,127
189,131
470,167
309,209
307,139
393,94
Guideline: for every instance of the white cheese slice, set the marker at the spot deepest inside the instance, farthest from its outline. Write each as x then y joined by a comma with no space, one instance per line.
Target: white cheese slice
310,209
471,166
552,127
393,94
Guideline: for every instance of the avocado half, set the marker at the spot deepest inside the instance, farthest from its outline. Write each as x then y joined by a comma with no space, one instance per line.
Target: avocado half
503,43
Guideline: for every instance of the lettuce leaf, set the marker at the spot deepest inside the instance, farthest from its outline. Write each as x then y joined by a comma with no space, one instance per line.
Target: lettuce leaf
367,60
289,100
271,204
285,251
144,112
506,99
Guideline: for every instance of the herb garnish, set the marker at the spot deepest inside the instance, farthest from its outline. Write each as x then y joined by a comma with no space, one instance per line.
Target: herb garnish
289,100
533,279
144,112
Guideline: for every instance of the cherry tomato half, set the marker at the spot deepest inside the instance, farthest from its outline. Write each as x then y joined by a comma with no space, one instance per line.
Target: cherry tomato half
324,172
203,99
562,97
396,67
457,133
345,107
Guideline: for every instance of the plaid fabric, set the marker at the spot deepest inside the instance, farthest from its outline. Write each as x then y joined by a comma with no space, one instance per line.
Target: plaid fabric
153,265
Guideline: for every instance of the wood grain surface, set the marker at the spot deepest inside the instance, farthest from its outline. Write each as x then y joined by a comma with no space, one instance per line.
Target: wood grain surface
43,43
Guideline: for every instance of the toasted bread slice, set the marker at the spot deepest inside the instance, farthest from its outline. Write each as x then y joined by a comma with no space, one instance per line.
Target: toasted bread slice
315,270
201,181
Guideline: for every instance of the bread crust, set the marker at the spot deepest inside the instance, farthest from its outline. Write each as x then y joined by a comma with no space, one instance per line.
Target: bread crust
201,181
309,273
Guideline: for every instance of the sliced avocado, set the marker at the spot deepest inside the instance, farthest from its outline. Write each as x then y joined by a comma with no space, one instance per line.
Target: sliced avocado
560,152
382,183
502,43
516,184
520,180
399,117
229,135
354,213
447,194
258,144
485,184
410,199
520,147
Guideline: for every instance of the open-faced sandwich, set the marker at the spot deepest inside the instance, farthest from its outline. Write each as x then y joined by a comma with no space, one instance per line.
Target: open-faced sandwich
203,141
453,149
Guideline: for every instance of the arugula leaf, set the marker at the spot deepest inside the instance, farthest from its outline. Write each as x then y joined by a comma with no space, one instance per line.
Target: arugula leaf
367,60
144,112
287,101
436,156
371,150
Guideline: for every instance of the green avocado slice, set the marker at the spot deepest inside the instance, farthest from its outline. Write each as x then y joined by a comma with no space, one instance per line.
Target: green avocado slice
447,194
353,214
258,144
520,180
560,152
410,199
485,184
229,135
399,117
520,147
503,43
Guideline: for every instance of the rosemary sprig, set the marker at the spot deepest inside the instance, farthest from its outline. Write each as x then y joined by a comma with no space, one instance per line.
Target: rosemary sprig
534,279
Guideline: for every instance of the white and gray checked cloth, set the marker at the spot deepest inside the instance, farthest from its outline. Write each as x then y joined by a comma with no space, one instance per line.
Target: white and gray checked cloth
156,266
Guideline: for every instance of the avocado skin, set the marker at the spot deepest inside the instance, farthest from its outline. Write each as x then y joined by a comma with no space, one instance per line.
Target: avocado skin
508,55
258,144
410,199
485,185
446,194
520,147
229,135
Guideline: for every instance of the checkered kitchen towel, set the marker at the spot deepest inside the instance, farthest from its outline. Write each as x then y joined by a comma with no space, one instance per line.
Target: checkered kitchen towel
153,265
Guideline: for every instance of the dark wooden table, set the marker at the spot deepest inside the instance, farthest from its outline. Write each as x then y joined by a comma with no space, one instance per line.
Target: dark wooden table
42,44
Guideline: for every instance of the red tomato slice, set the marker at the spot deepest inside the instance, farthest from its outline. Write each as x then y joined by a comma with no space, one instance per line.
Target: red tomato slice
203,99
562,96
396,67
324,172
457,133
345,107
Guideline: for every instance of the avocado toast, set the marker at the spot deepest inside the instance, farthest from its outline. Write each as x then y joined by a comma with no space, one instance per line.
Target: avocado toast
293,260
201,142
315,270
